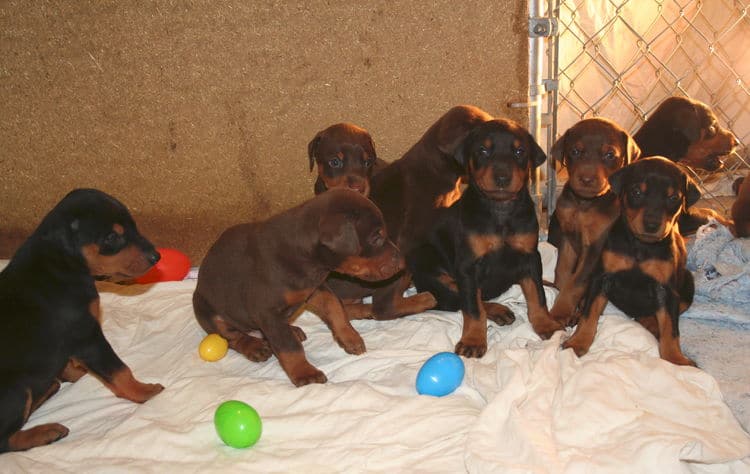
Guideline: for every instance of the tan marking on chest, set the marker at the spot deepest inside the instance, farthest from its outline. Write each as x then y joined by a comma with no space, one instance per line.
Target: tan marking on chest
524,243
447,199
481,245
659,270
615,262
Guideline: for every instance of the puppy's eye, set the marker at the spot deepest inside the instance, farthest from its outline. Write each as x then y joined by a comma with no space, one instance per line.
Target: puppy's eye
369,162
483,152
111,239
575,152
711,131
520,151
111,243
336,162
609,156
636,192
673,199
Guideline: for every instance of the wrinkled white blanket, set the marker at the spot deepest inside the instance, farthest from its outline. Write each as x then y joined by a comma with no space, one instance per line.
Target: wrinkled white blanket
526,407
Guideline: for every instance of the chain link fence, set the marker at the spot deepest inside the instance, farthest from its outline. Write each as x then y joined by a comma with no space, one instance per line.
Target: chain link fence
620,58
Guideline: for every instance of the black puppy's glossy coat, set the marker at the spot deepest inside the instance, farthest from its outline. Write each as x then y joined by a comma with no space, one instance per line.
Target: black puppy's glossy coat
487,240
642,269
49,311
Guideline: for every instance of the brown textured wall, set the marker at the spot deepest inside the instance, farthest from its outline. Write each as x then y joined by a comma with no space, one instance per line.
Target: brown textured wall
197,114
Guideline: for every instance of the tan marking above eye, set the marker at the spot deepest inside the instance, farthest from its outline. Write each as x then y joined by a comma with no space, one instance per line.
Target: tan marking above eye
481,245
118,229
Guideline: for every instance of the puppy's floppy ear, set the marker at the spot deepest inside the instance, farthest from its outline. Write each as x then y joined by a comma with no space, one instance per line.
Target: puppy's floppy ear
536,154
338,234
692,192
617,179
312,148
461,152
632,150
557,152
371,144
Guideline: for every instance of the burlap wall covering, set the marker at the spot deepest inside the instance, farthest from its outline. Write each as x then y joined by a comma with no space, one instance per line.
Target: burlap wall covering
197,114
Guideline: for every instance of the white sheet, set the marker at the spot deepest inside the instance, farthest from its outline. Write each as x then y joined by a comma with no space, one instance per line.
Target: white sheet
525,407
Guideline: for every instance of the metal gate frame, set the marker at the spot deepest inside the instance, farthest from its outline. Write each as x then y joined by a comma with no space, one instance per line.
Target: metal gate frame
545,30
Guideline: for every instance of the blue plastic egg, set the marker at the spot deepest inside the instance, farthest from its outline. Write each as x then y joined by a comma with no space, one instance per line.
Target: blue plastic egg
440,375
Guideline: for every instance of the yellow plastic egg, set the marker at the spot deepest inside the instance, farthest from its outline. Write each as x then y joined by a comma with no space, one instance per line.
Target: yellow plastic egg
213,347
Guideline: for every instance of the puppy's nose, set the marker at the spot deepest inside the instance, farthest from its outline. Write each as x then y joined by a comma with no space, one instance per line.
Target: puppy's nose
586,180
153,257
651,225
503,180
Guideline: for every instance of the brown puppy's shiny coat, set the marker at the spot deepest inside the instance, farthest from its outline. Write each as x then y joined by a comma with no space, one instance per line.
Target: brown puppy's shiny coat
257,275
685,131
591,150
642,268
410,191
346,158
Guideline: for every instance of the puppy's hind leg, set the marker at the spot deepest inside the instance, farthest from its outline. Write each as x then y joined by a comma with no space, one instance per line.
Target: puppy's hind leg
253,348
16,405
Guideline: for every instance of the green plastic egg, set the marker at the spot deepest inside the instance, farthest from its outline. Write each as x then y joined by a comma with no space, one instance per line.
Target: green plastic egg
237,424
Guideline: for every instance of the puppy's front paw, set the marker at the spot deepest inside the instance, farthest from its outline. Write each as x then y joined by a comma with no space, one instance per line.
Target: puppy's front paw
546,327
469,349
499,314
147,391
308,377
578,347
352,343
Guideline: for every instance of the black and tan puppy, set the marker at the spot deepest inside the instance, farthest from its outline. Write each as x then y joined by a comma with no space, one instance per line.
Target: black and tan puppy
487,241
591,150
50,315
257,275
345,157
410,191
685,131
642,268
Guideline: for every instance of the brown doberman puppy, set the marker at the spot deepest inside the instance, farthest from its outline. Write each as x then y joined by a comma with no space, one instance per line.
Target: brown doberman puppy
642,268
345,156
50,314
591,150
687,131
487,241
410,191
741,209
257,275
